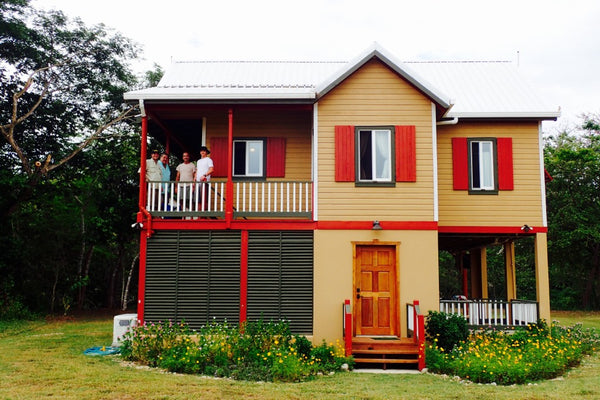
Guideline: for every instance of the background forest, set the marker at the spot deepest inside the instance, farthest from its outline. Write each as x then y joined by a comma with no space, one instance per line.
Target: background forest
69,182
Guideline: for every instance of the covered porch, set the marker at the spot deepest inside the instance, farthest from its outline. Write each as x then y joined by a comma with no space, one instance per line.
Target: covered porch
484,284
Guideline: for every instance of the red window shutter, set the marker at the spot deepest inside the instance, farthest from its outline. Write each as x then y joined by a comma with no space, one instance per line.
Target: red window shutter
218,153
460,163
344,154
275,157
505,164
406,154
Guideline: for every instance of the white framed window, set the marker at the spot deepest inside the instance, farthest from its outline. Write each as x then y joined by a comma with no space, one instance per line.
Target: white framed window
482,161
374,155
249,158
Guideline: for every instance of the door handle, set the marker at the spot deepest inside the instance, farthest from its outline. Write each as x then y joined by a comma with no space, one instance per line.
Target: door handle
357,293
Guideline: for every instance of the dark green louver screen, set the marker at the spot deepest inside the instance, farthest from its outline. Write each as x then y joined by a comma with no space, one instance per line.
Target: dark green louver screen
280,277
193,276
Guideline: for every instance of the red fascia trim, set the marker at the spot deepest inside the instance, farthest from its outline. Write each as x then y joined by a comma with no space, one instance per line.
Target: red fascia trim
142,278
186,224
244,277
390,225
491,229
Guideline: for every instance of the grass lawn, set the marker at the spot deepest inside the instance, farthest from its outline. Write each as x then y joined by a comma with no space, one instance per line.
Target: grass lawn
45,359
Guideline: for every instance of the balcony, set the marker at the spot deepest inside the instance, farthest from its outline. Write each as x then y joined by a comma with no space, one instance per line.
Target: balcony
251,199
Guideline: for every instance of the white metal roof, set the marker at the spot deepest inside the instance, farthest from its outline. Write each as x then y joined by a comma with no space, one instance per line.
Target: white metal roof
469,89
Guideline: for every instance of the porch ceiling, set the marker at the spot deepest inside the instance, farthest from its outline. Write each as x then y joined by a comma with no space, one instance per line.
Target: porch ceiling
455,242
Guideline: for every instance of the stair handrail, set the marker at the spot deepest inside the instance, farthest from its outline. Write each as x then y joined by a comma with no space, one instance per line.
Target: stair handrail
419,332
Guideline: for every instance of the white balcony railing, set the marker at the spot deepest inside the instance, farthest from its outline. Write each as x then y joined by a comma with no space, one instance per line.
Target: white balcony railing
276,198
178,198
484,312
250,198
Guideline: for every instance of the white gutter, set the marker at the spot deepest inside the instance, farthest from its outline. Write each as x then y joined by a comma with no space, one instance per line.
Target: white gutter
452,121
142,108
315,161
436,205
542,175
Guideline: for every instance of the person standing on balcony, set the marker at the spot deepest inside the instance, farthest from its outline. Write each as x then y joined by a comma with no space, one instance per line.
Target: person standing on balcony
204,168
154,175
165,172
185,177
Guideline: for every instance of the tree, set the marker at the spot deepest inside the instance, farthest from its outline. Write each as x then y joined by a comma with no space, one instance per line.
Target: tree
573,199
70,155
61,89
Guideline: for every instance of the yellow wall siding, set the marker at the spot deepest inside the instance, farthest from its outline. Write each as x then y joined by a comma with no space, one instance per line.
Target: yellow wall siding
417,274
523,205
375,95
294,125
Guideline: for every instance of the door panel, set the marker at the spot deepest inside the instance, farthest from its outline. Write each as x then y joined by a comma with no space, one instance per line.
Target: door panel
376,290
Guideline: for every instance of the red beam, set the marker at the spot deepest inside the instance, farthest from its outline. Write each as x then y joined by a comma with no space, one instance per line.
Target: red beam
492,229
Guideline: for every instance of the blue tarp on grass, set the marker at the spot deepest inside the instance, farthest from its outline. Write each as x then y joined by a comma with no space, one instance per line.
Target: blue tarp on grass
102,351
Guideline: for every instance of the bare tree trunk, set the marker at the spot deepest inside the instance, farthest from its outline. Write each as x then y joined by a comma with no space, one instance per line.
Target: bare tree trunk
110,295
126,292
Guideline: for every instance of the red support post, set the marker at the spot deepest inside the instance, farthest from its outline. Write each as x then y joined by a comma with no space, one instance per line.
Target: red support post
143,155
229,185
244,277
348,327
142,278
421,342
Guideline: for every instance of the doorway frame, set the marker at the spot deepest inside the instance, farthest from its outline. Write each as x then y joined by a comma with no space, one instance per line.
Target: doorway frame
395,328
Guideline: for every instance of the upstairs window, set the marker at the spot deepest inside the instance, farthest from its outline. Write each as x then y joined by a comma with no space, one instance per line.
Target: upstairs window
248,158
482,165
380,155
375,155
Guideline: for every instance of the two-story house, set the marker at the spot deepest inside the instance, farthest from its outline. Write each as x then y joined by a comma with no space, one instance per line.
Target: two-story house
337,181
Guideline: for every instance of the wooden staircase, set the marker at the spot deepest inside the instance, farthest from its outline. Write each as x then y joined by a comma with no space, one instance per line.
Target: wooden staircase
373,352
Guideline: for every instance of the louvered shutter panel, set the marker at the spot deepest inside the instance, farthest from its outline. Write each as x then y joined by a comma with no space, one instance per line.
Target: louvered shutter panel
275,157
505,164
218,153
280,277
460,163
406,154
193,276
344,154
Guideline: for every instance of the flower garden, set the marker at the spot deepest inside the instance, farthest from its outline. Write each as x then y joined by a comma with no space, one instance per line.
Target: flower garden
536,352
257,351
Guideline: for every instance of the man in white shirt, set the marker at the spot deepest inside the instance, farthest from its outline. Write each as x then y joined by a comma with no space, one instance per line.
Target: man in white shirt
185,177
204,168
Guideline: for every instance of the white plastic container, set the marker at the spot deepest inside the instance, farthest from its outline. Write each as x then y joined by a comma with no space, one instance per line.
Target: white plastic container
122,324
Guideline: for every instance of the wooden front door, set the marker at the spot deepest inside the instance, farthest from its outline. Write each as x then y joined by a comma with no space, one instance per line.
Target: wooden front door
376,289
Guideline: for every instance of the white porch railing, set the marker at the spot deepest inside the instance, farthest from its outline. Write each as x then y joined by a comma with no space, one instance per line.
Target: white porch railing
276,198
484,312
185,198
250,198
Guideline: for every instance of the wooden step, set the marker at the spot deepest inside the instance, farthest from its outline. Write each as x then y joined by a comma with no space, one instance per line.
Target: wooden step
385,361
403,351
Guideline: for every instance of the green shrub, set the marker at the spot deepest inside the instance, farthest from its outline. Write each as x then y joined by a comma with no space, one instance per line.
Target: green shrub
258,350
446,330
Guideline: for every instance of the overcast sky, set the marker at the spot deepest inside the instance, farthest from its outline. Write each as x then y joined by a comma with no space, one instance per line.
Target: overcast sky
556,43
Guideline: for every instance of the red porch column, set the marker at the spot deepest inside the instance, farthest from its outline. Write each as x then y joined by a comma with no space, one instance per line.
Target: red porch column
229,185
144,150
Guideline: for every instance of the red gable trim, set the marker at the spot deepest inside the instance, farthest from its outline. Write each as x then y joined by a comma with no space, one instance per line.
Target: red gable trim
344,154
406,154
